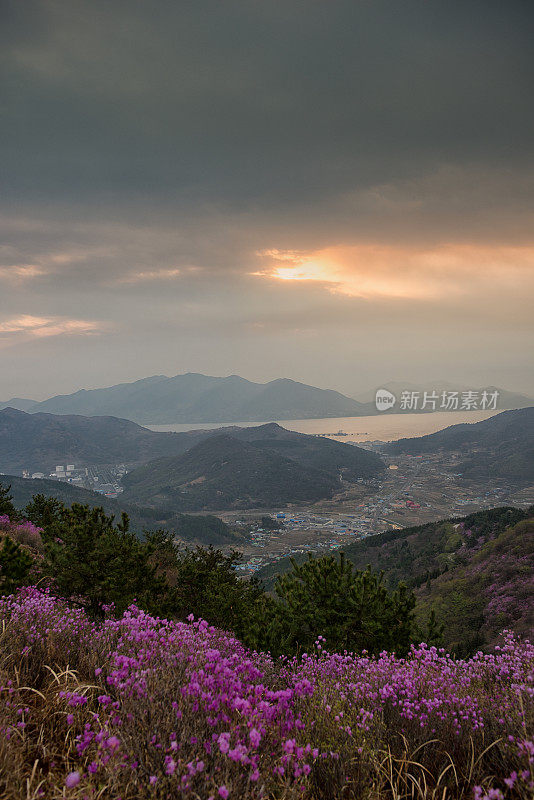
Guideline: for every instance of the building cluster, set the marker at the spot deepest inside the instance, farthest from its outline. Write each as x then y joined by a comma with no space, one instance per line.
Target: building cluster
105,480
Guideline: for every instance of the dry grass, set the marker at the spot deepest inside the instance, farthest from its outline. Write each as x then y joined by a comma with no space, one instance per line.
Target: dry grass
388,759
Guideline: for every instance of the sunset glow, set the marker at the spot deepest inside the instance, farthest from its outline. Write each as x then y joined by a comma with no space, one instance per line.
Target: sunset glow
401,272
266,190
40,327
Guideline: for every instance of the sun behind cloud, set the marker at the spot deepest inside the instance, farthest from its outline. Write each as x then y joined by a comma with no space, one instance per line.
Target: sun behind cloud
378,271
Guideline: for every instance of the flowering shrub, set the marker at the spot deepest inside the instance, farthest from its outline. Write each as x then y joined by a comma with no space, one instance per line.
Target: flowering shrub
22,532
145,707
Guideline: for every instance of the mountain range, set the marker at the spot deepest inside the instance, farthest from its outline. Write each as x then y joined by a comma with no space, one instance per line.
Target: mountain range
506,400
193,398
499,447
194,471
40,441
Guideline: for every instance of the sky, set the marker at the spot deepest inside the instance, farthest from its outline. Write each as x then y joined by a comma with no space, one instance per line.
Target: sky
337,192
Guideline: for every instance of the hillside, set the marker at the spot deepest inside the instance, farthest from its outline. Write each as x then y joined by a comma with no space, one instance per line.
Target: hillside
313,451
490,590
194,398
346,725
205,529
499,447
40,441
410,554
444,560
223,472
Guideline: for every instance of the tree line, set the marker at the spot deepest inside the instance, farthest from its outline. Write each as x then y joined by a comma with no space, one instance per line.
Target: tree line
100,564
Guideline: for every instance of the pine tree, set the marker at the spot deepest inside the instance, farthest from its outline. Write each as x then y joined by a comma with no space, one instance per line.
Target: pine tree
98,562
15,565
434,630
351,610
46,513
204,582
6,503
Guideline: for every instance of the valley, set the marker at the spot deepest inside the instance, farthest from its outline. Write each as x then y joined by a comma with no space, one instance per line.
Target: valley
326,493
412,491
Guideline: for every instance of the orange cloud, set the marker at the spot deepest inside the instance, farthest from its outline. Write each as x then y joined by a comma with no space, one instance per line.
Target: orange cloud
370,270
39,327
16,273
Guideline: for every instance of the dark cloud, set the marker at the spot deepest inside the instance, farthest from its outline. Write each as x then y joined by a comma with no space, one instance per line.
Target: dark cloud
263,102
152,150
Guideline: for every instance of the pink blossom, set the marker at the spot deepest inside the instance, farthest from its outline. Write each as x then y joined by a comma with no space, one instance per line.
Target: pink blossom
72,779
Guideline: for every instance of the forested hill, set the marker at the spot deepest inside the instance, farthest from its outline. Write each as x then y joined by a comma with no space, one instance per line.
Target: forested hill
222,473
257,467
40,441
461,566
317,452
488,588
499,447
202,529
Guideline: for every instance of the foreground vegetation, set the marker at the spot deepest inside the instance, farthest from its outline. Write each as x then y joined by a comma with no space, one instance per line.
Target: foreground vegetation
86,557
144,707
137,669
475,573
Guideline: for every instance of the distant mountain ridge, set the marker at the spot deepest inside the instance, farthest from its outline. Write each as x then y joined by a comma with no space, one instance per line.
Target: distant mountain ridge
505,401
194,398
19,404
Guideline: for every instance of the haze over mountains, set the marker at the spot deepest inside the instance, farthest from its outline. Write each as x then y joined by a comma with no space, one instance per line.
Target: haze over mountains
197,470
193,398
39,441
506,400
